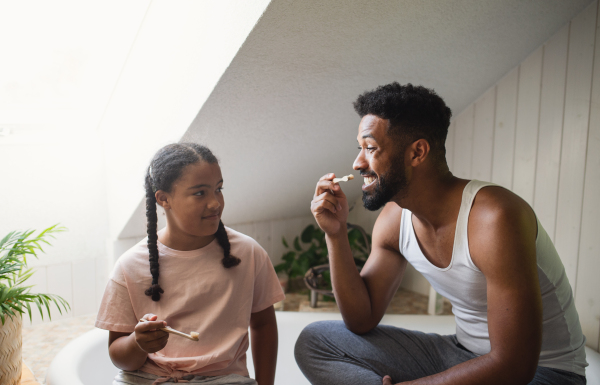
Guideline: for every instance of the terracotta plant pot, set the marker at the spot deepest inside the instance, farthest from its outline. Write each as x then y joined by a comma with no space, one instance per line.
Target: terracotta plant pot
11,342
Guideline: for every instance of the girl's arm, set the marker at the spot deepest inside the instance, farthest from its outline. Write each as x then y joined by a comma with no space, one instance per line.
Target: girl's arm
263,330
128,351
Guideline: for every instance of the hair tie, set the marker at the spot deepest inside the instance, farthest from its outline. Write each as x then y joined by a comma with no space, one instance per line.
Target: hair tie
154,291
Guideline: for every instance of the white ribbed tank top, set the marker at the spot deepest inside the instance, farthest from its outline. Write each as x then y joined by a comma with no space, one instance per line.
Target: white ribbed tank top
465,286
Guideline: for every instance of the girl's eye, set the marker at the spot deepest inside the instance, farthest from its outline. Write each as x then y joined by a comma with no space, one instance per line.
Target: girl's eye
220,189
199,193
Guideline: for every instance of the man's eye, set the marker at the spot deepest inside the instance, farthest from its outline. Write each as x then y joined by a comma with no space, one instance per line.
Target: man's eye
370,149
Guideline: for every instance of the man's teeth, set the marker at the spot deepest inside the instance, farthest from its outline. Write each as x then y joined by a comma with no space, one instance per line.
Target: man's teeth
369,180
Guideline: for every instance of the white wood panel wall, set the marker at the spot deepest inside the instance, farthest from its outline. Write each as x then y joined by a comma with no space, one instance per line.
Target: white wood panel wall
80,282
587,291
485,110
269,233
504,129
526,130
552,103
575,130
463,140
545,145
450,145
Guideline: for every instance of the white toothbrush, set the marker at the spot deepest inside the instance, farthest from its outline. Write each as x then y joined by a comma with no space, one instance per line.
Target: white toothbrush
192,336
343,179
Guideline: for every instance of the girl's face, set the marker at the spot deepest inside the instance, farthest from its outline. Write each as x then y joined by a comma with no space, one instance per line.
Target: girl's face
195,203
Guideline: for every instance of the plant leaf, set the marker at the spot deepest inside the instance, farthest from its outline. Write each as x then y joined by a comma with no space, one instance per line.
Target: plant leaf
297,244
307,234
289,256
28,307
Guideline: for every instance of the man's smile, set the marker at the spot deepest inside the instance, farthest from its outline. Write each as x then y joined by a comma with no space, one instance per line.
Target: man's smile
369,180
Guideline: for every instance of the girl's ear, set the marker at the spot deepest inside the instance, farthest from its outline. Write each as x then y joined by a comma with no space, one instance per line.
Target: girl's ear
162,198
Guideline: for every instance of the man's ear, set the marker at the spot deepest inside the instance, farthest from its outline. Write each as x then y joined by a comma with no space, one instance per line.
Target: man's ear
162,198
419,151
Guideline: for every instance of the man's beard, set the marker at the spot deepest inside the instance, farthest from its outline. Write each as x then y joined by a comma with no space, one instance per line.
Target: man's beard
387,186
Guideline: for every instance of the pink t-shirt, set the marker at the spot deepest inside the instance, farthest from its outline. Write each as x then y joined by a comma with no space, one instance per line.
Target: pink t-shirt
200,295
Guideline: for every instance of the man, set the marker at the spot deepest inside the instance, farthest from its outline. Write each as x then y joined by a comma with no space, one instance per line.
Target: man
478,244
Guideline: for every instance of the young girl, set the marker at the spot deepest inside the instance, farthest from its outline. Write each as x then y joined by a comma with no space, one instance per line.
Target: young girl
194,275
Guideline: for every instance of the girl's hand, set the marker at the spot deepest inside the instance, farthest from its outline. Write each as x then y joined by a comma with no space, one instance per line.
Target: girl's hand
329,205
148,336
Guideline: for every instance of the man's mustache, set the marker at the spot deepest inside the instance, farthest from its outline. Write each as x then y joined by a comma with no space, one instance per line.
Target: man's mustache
365,174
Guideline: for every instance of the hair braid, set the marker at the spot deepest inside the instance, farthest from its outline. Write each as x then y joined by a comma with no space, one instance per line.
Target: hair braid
165,168
228,259
155,290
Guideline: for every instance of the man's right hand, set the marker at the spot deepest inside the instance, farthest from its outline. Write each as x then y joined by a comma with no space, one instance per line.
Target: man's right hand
330,206
149,336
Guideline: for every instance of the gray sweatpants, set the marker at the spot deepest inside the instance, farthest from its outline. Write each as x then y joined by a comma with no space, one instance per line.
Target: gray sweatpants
328,353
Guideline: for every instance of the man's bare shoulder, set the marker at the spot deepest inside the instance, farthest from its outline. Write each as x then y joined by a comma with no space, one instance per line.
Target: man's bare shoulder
386,232
500,219
494,204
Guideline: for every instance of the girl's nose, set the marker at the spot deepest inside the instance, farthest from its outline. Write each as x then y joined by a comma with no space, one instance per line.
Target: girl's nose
214,204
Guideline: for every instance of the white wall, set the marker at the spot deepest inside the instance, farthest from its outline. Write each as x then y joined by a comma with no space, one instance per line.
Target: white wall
54,84
88,106
53,179
537,132
179,54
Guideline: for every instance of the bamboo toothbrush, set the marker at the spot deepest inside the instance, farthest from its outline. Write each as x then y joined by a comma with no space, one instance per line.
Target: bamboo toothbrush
343,179
192,336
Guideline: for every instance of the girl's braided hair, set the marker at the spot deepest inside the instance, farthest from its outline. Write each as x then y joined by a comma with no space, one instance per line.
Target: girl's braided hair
165,168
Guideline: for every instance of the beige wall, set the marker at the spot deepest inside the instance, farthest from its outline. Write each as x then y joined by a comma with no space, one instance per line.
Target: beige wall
537,132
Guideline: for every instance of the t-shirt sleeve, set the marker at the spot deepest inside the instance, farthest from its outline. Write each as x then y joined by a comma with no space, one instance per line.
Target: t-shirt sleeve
267,289
116,311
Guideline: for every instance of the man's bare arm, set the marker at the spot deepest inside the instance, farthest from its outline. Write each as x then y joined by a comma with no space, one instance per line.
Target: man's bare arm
362,298
502,231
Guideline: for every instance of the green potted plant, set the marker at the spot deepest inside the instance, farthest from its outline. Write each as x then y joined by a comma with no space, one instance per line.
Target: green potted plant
309,250
15,296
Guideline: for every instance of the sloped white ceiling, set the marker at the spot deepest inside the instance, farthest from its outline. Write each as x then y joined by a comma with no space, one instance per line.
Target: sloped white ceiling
281,115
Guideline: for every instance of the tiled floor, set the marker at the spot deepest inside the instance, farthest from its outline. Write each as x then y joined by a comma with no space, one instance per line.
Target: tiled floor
42,342
404,302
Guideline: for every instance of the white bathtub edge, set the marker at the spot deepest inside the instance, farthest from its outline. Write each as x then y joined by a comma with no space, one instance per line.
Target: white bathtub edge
64,367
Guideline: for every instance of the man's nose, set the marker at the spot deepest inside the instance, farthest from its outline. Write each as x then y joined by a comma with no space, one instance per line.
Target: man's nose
360,163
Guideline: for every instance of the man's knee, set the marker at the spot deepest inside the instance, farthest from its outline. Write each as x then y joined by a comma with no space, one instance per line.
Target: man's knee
312,339
308,338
